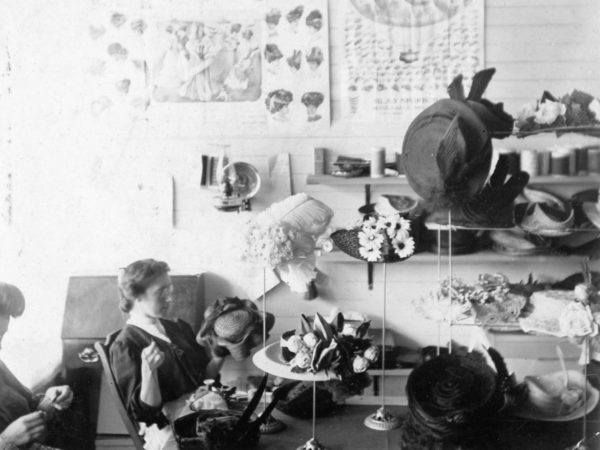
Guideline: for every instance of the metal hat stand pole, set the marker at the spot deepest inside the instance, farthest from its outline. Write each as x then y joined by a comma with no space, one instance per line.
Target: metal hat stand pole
382,420
271,425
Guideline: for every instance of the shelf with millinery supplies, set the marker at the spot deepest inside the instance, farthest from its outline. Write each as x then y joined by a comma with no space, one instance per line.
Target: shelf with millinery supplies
484,256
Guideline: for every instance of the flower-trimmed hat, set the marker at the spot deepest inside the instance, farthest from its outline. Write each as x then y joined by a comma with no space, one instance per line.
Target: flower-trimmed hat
235,325
378,239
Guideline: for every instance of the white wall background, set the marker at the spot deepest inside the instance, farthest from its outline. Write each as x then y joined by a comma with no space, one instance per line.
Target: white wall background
70,170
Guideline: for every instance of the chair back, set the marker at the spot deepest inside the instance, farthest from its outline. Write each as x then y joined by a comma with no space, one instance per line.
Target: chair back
103,349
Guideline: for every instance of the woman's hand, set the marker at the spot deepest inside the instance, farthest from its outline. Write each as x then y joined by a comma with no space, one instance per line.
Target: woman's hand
60,397
25,429
152,358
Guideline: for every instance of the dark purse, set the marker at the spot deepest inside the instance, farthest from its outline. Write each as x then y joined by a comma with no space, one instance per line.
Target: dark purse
215,429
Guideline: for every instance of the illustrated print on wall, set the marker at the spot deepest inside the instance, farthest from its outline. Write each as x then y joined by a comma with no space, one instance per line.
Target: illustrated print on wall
272,19
273,58
278,103
116,65
297,63
293,17
399,55
312,101
205,61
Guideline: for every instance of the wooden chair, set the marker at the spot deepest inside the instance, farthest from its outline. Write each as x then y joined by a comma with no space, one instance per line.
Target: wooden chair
103,349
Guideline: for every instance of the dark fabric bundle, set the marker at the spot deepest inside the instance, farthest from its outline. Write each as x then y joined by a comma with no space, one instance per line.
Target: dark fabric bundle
453,399
215,429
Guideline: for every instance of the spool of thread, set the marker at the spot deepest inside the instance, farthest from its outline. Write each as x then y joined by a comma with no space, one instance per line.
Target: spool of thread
572,161
560,162
319,160
529,162
377,162
543,162
594,160
581,160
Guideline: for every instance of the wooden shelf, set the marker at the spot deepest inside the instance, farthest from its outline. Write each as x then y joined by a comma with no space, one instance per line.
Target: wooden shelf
486,256
330,180
553,180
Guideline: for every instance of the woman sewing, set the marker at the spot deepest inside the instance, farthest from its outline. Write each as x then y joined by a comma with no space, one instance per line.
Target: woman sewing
25,419
156,361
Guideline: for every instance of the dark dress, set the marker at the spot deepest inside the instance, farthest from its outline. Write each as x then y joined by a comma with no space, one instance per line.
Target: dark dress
181,372
15,399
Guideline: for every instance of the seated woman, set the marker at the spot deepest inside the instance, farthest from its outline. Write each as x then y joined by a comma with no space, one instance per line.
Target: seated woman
23,419
156,361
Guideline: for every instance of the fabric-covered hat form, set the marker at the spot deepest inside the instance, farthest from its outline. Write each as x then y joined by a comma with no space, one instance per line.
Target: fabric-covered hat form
451,396
235,325
447,149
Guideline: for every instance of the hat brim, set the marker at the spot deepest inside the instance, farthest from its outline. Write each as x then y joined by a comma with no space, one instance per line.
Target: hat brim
347,241
591,212
540,223
535,408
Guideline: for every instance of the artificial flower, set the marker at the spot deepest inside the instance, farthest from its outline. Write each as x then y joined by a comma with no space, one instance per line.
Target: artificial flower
549,111
360,364
370,254
370,240
404,247
372,353
526,111
311,340
295,344
302,359
576,321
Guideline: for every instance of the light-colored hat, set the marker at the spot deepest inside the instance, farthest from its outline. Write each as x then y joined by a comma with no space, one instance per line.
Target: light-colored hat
551,399
592,211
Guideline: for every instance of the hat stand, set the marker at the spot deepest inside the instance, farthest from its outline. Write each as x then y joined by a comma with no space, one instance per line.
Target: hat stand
382,420
583,443
313,443
271,425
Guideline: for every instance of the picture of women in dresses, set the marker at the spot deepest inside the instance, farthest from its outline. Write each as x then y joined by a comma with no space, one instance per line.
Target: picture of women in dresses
206,62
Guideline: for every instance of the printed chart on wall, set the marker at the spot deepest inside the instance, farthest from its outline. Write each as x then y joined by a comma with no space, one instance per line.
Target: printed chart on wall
400,55
296,66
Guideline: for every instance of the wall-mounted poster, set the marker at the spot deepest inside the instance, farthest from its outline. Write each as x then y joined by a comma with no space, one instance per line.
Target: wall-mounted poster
296,65
400,55
208,60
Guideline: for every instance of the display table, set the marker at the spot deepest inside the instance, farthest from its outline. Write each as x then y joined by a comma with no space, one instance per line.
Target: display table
345,431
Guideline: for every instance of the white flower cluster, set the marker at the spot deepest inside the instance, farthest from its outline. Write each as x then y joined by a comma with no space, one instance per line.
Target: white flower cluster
268,245
377,234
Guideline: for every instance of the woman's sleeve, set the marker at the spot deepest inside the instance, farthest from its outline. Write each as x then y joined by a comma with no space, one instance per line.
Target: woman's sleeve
126,366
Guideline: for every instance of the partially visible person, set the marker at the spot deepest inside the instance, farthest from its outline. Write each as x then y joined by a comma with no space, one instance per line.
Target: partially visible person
24,418
156,362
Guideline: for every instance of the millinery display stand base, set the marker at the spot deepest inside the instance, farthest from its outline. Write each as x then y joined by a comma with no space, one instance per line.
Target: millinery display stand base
382,420
272,426
312,444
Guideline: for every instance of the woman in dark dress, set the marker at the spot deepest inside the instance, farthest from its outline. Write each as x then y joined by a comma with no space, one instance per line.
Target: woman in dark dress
156,361
23,418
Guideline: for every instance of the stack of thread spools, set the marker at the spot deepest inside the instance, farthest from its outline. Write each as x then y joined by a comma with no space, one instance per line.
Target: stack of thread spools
557,160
